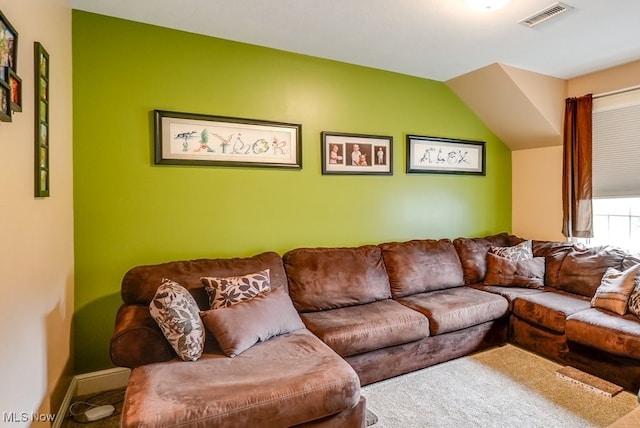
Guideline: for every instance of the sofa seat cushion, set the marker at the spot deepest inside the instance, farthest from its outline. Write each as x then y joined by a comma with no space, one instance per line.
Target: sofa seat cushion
619,335
286,381
549,309
363,328
509,293
457,308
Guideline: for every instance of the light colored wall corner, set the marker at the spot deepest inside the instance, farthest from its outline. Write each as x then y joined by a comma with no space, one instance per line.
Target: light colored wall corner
36,248
537,173
91,383
537,193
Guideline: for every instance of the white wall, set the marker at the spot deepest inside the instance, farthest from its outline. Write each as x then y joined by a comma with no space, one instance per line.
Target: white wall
36,234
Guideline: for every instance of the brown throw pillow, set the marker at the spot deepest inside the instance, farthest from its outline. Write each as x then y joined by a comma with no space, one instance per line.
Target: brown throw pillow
615,289
504,272
225,292
239,327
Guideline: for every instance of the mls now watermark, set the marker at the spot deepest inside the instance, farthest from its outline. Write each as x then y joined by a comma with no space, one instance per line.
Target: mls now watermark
27,417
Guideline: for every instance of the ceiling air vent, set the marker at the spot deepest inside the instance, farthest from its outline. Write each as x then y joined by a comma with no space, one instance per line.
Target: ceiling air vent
545,14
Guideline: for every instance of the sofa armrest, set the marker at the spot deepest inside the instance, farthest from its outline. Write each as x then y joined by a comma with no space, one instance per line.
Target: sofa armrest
137,339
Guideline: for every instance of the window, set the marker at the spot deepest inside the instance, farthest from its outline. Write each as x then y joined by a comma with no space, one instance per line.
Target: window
616,170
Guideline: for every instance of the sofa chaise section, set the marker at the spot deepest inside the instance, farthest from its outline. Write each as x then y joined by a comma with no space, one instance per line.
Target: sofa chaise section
290,380
286,381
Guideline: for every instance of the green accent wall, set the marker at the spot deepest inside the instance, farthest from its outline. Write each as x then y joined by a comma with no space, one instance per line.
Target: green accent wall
129,211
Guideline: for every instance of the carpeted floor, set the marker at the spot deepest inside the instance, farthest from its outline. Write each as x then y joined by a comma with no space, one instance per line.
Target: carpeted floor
82,403
503,387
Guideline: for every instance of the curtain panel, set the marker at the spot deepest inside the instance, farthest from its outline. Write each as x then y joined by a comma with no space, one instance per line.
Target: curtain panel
577,168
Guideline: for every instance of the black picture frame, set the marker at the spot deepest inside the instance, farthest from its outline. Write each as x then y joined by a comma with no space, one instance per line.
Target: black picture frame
437,155
209,140
356,154
41,121
9,48
5,102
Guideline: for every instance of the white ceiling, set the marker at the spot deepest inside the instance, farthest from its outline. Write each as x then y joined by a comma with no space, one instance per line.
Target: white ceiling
435,39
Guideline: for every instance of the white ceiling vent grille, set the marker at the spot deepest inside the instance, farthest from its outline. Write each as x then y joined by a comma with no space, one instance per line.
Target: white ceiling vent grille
545,14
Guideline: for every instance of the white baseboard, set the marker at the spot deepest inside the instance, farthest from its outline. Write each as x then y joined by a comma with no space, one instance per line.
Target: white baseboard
91,383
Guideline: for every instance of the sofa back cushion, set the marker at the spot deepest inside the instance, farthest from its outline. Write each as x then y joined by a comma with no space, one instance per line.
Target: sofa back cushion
421,265
582,268
554,254
140,283
473,254
329,278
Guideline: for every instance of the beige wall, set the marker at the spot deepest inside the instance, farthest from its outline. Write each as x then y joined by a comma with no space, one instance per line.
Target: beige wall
537,173
36,244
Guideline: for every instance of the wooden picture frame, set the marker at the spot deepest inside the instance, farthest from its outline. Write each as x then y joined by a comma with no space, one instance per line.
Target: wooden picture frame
42,131
201,139
5,102
435,155
356,154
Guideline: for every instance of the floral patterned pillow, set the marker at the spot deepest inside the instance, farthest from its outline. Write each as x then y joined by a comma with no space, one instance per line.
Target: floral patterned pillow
522,251
226,292
178,316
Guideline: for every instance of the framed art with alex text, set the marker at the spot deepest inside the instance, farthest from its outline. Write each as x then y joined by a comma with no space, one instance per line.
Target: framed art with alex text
200,139
437,155
356,154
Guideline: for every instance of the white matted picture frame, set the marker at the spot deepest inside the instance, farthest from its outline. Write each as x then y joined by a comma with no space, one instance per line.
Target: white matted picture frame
200,139
356,154
436,155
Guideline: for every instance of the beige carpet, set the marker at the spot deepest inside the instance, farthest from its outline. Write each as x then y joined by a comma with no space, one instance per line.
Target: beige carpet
502,387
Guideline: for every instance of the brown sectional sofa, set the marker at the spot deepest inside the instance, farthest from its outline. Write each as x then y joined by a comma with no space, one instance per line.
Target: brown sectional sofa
371,312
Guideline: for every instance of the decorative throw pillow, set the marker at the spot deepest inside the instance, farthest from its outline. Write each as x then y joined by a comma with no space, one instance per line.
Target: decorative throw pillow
522,251
178,316
504,272
634,299
615,289
225,292
240,326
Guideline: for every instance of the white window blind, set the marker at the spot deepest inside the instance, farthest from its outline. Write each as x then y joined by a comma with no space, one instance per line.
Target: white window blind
616,145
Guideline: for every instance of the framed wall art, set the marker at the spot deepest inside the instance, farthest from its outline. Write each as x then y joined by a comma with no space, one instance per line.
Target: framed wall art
8,67
199,139
15,87
5,102
445,155
356,154
42,155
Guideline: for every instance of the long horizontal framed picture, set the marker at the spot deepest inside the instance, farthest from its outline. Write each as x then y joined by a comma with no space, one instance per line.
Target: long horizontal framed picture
199,139
445,155
356,154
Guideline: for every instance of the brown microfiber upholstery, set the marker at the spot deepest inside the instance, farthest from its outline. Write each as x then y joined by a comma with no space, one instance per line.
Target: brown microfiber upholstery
356,417
286,381
509,293
554,254
140,283
549,309
619,335
362,328
137,339
504,272
582,269
421,265
457,308
330,278
473,254
240,326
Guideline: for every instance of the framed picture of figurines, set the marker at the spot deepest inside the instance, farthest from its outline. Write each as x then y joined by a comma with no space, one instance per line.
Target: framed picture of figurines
42,171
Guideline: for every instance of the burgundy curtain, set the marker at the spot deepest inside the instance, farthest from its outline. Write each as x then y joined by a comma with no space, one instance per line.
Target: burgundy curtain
577,168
